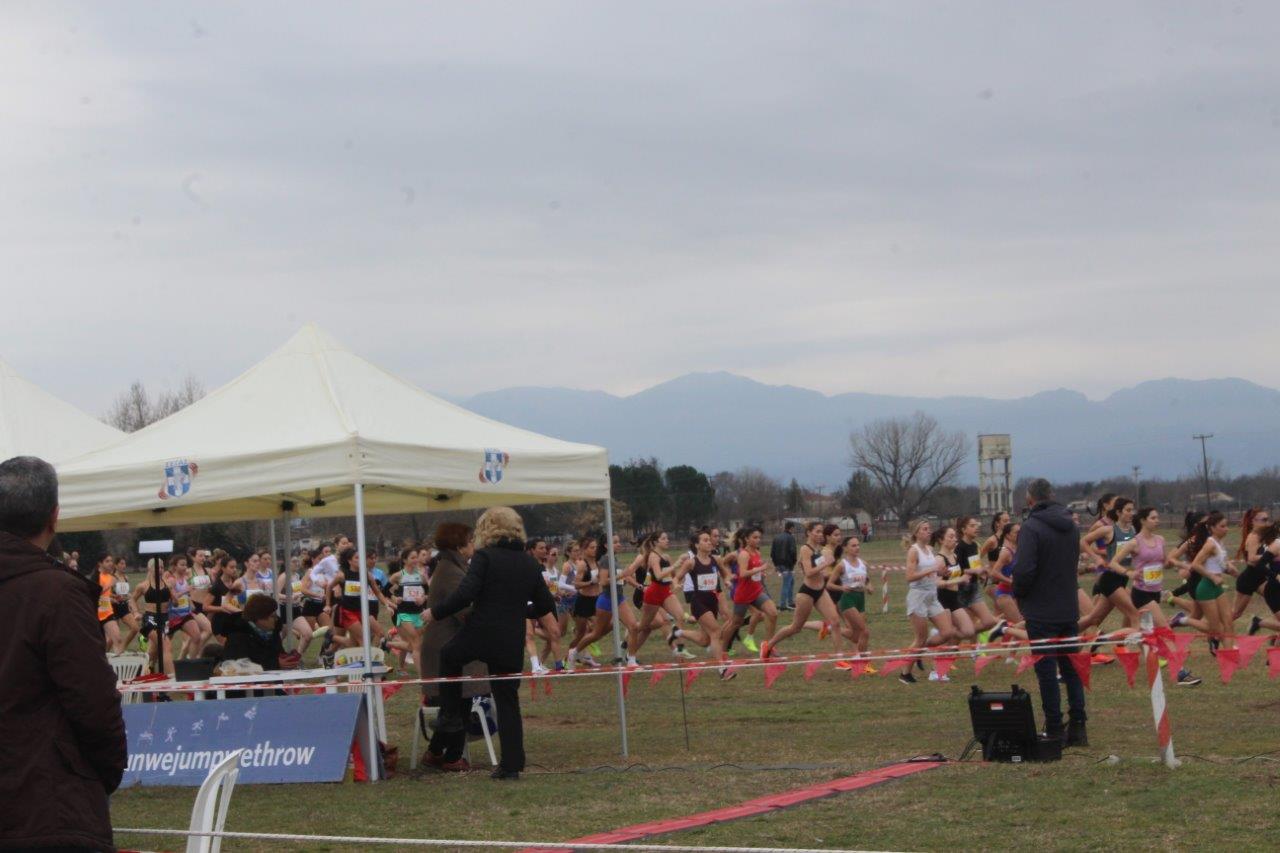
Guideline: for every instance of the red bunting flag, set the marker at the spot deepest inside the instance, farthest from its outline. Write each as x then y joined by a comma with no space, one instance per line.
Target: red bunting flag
895,665
1228,663
1129,661
1178,655
1273,662
691,676
1248,647
811,669
533,689
389,690
772,672
626,684
857,668
659,673
981,662
546,686
1083,663
1025,662
943,665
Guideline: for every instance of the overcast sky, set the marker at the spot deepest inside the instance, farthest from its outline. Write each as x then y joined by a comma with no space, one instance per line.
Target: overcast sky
920,198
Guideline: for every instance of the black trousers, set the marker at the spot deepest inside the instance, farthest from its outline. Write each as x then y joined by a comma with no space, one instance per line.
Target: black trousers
1047,670
451,732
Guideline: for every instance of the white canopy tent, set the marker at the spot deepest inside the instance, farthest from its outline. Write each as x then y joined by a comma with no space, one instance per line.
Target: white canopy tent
315,430
33,422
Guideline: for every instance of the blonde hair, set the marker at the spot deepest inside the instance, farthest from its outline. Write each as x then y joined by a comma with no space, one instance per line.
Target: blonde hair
499,522
912,529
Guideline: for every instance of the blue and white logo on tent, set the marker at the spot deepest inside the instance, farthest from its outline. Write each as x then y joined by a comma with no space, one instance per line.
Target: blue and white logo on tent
178,474
495,461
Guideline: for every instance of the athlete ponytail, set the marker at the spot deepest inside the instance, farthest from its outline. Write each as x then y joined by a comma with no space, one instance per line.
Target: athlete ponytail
1104,504
1200,535
1006,532
912,529
1117,508
1268,533
1246,527
1140,517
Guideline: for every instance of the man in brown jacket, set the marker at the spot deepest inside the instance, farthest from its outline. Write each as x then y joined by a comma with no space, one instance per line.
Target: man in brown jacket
62,737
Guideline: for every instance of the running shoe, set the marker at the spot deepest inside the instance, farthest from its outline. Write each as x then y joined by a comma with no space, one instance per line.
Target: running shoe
997,632
1102,660
1213,646
589,661
843,664
1178,619
765,650
1255,625
559,666
933,676
727,674
907,678
750,642
870,670
540,670
824,631
685,653
594,648
984,637
1186,679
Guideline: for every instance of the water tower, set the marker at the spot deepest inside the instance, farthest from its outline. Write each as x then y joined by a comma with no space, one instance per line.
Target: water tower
995,474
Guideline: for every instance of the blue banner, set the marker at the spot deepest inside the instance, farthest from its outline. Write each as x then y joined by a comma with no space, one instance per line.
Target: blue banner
285,738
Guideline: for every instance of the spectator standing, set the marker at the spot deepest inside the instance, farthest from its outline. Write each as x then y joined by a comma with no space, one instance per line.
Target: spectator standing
1044,583
503,587
783,554
64,737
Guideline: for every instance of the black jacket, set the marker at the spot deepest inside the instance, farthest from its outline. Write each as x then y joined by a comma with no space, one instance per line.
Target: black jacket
1044,568
244,641
783,552
499,585
62,740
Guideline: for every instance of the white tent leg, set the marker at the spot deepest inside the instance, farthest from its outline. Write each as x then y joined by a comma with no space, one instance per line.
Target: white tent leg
617,623
371,759
288,582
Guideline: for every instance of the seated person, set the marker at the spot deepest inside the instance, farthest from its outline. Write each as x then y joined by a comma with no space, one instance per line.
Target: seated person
254,633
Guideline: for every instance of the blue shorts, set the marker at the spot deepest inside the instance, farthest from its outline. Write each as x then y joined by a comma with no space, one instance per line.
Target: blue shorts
604,602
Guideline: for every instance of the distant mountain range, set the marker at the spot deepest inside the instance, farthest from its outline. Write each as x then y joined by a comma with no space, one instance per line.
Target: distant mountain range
721,421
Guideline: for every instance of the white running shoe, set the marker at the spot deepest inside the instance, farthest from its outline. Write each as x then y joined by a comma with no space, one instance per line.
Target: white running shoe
540,670
933,676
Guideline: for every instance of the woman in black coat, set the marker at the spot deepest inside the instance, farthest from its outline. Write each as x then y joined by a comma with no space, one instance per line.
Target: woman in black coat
498,587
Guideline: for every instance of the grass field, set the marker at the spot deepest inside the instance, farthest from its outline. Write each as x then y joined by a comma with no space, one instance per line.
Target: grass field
1222,798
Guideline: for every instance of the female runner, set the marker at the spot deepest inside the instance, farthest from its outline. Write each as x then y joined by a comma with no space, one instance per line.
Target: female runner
923,607
748,588
1006,548
944,541
1269,540
155,597
1146,551
1212,565
182,615
969,556
704,601
657,594
289,595
813,590
412,585
1251,579
220,598
848,580
1112,583
603,622
587,582
348,625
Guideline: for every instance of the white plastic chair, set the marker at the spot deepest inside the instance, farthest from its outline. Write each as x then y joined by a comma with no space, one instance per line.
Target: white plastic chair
477,707
209,814
128,666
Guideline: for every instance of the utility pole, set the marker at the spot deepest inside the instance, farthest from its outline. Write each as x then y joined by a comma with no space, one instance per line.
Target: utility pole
1204,454
1137,485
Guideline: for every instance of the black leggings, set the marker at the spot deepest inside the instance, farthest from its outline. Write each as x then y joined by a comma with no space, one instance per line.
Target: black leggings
451,732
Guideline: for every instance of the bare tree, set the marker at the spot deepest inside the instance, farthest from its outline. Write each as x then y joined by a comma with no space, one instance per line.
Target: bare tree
135,409
748,494
909,459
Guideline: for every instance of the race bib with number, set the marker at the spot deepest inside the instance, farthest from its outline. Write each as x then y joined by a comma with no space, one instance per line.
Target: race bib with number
122,587
296,586
975,562
351,588
413,594
820,562
707,583
1152,574
184,602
